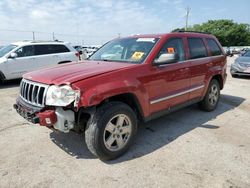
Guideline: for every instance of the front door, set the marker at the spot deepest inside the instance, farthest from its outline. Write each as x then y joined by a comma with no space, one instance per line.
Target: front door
169,83
23,63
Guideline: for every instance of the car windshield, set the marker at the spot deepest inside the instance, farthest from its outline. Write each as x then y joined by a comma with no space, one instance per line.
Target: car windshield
6,49
129,50
247,54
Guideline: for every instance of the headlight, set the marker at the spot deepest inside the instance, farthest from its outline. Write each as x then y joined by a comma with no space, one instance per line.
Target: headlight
61,95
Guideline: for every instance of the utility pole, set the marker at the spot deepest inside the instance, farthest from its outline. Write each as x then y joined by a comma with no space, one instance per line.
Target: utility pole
33,34
187,14
53,36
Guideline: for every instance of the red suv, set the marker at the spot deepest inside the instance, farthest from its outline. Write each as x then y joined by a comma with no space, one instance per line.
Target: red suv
141,77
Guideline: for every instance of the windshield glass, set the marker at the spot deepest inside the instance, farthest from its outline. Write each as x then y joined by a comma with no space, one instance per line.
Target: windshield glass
130,50
6,49
247,54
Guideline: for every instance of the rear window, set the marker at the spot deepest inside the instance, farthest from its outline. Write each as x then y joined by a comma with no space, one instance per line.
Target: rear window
197,48
50,49
214,48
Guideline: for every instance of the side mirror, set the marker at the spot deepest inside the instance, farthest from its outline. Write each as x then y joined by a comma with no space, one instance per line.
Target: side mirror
13,55
166,58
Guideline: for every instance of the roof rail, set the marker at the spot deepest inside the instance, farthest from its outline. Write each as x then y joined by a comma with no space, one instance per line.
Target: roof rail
183,31
38,41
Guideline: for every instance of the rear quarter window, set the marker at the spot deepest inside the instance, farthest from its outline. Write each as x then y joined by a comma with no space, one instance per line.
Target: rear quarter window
58,49
214,47
197,48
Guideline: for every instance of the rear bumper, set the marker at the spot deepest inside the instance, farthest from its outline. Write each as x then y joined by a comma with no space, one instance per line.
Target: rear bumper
58,118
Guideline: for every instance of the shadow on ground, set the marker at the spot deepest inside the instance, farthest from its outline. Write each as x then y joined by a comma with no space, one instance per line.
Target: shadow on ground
154,134
10,84
242,77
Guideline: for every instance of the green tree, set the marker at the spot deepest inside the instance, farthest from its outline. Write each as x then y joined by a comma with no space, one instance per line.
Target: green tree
228,32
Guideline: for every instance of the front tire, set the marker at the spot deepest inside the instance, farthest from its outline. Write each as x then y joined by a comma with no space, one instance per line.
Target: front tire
211,99
234,75
111,130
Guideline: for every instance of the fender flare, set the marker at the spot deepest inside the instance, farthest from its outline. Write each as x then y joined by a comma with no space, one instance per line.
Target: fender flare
2,77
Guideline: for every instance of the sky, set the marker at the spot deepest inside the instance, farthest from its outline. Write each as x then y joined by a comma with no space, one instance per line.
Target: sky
91,22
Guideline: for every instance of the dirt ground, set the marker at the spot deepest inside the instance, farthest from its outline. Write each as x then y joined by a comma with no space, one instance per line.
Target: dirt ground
188,148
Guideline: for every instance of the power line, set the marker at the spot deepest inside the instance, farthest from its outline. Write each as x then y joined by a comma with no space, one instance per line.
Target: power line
62,34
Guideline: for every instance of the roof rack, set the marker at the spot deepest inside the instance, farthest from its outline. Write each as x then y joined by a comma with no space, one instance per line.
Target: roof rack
38,41
183,31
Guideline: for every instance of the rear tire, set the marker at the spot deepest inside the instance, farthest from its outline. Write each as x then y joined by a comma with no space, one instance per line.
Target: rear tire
111,130
211,99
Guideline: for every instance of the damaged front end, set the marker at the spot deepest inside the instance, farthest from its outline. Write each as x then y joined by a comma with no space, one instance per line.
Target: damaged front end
47,105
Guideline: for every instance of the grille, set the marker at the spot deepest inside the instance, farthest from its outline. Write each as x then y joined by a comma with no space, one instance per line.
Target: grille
33,93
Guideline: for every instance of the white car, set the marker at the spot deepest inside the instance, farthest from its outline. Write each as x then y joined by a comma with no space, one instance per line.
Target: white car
21,57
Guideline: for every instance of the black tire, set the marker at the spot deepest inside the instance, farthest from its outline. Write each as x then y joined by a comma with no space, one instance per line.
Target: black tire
209,103
234,75
2,78
96,130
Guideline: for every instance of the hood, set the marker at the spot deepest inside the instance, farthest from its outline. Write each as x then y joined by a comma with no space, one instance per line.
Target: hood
73,72
243,59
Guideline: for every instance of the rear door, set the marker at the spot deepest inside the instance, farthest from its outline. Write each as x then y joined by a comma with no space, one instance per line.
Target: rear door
199,66
45,55
169,82
61,53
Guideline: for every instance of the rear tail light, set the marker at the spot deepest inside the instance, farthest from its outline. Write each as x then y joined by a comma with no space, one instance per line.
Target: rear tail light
78,55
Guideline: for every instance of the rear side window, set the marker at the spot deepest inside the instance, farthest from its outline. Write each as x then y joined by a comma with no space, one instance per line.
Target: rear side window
58,49
197,48
214,48
41,49
50,49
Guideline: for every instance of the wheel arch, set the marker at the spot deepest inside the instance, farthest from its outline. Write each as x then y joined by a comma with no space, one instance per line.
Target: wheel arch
85,114
219,78
62,62
131,100
2,77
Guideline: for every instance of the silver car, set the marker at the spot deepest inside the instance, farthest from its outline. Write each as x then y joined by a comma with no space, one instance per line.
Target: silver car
241,65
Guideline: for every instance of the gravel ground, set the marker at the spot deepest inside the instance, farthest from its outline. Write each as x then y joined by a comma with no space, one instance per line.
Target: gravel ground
188,148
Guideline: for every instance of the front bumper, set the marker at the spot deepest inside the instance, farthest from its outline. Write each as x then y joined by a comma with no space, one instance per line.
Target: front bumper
27,111
62,120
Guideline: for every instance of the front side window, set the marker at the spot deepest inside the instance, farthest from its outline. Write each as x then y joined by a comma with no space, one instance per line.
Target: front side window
6,49
25,51
247,54
129,50
174,45
214,48
197,48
